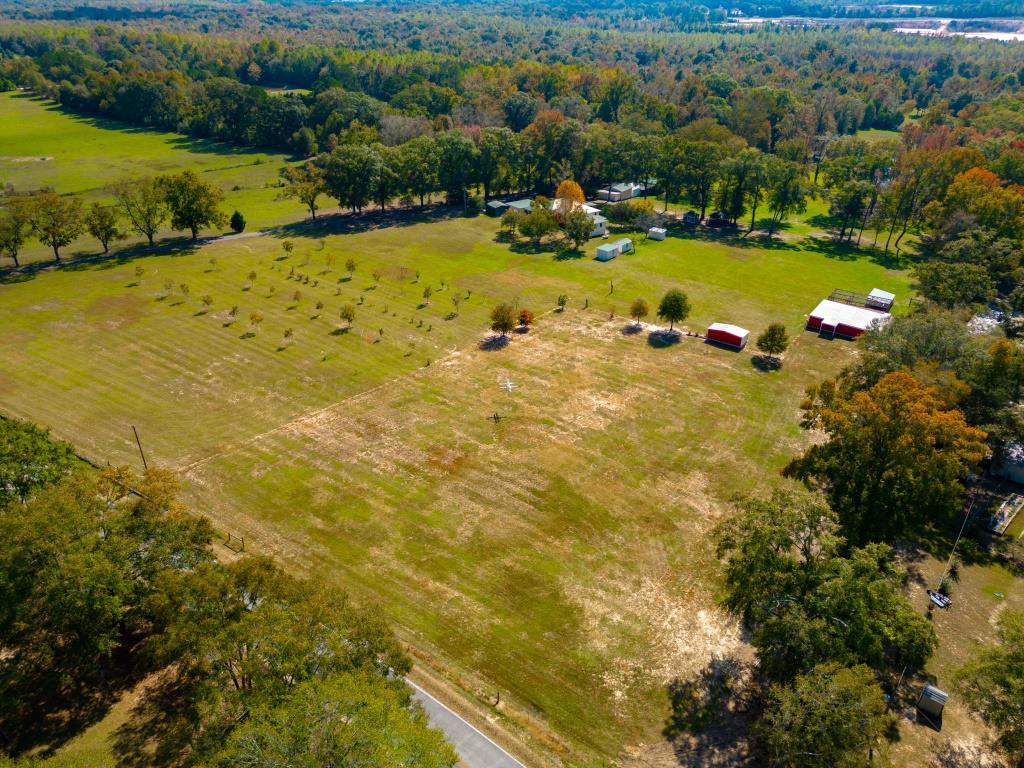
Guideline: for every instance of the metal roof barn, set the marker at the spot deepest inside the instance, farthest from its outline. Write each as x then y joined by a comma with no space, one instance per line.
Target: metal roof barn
834,318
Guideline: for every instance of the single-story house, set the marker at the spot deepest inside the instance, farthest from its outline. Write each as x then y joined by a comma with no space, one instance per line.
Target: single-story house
525,205
623,190
725,333
560,206
656,233
834,318
879,299
691,218
495,207
608,251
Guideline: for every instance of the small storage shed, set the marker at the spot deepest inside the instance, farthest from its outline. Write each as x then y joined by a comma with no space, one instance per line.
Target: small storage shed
495,207
1003,517
600,225
932,701
615,193
607,252
879,299
656,233
730,335
625,245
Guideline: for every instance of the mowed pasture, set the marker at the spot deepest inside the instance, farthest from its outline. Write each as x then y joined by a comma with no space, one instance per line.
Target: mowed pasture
42,146
559,556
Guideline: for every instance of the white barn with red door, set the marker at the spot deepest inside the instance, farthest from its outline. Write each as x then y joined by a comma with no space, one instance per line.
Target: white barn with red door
835,318
731,335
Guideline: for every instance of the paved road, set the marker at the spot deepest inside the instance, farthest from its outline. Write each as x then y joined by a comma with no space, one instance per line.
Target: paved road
475,749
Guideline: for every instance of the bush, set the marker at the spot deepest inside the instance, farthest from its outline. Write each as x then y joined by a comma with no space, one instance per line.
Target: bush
630,212
237,222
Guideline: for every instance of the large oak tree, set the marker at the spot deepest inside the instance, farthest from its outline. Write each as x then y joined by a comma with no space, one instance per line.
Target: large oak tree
895,458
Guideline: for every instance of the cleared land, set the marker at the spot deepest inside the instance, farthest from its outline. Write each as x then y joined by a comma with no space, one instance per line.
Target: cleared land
559,556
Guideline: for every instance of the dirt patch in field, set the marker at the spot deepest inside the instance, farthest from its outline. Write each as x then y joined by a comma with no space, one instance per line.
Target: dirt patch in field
677,623
25,159
113,312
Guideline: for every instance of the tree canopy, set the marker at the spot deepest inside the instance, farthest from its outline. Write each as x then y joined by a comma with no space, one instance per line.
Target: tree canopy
895,459
805,602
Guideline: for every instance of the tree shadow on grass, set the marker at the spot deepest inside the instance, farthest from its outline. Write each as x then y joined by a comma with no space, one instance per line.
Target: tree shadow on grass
530,247
45,712
711,713
158,732
766,364
632,329
344,223
830,248
569,254
731,237
172,246
493,343
660,338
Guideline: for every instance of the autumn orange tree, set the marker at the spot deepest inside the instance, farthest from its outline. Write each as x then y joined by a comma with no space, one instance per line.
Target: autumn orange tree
981,194
569,190
895,457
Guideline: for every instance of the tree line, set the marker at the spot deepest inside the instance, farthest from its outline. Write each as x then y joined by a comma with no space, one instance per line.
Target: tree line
108,579
808,83
142,206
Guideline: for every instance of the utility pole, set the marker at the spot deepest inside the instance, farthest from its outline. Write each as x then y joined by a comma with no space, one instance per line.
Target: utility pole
138,442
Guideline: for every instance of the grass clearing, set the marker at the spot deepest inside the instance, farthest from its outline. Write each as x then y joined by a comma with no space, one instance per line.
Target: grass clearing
559,556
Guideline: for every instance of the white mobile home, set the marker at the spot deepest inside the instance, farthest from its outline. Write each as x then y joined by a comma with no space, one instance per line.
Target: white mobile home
615,193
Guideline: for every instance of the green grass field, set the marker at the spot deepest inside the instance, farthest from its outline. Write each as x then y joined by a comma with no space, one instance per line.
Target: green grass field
43,146
559,556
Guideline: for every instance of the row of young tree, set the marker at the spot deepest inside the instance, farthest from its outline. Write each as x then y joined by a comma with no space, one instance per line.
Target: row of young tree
142,206
107,579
